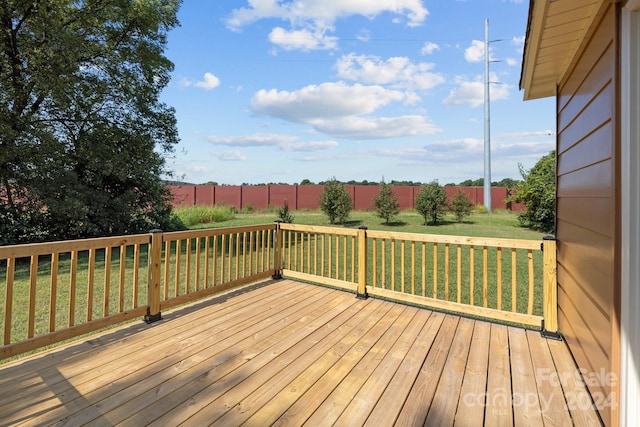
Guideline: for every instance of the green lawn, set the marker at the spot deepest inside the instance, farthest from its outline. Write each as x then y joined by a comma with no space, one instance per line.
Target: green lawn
498,224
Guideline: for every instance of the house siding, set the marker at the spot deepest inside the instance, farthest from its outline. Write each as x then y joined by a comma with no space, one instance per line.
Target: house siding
588,208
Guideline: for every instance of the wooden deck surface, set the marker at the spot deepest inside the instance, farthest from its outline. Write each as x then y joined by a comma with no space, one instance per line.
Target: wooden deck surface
287,353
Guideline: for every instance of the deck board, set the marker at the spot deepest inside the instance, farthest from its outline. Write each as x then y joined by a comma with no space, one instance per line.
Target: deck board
287,353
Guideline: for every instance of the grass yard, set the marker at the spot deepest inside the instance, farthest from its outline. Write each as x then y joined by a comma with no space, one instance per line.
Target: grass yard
499,224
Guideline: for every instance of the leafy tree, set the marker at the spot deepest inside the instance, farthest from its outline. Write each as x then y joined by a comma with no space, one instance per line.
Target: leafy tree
335,201
82,131
538,193
461,206
386,202
306,181
431,202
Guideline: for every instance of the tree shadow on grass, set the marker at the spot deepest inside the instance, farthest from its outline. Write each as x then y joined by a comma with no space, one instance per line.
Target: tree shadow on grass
351,223
395,223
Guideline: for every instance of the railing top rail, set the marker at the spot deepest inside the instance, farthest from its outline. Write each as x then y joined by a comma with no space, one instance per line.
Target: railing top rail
190,234
320,229
457,240
27,250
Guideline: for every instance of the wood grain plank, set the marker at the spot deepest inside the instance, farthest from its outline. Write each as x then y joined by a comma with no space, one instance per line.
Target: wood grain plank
416,407
445,401
553,407
474,385
498,411
526,404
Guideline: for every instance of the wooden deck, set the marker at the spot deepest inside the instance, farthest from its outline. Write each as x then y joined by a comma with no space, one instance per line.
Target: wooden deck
288,353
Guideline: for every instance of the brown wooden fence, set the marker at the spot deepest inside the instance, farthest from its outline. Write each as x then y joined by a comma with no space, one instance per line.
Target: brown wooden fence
307,196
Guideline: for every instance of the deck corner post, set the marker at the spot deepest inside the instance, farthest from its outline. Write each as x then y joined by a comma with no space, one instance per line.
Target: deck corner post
550,288
277,252
362,263
153,283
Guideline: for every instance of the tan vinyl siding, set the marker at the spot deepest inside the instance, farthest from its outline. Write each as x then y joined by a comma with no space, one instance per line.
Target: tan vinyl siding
587,206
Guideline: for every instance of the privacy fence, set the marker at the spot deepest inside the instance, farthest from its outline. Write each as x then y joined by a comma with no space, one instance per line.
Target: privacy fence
55,291
307,196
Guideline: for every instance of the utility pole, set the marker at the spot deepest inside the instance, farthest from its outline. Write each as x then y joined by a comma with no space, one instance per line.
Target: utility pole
487,122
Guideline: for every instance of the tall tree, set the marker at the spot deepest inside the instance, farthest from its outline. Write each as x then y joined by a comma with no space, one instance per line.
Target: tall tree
82,131
538,193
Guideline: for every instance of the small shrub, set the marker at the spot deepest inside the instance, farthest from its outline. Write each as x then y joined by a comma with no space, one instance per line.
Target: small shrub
335,201
284,214
431,202
481,209
248,208
461,206
386,202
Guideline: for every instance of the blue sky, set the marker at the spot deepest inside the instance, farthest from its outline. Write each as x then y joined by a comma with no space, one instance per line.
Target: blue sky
280,90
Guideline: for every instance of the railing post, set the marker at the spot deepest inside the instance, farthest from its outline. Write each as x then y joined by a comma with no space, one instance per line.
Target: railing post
153,283
362,263
277,252
550,289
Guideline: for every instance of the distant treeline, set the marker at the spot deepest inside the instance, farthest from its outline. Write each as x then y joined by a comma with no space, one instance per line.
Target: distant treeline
506,182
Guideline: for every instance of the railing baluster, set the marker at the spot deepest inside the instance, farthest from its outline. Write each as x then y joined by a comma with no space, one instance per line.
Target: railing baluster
393,264
53,293
90,279
459,273
176,288
402,263
472,274
383,249
197,266
214,261
413,267
374,258
72,290
136,273
485,277
499,278
122,266
514,281
8,302
435,270
531,282
446,272
107,281
167,267
424,269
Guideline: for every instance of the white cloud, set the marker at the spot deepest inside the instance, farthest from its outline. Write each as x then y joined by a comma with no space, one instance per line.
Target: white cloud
209,81
475,52
316,17
398,71
471,92
512,62
342,110
282,142
429,48
325,11
231,156
324,101
304,39
377,127
519,43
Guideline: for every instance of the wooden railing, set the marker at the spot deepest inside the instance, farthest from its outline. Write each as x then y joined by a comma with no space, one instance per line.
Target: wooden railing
57,291
500,279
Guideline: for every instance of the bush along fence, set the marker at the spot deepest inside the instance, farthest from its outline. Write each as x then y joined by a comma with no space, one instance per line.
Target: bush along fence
60,290
307,196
